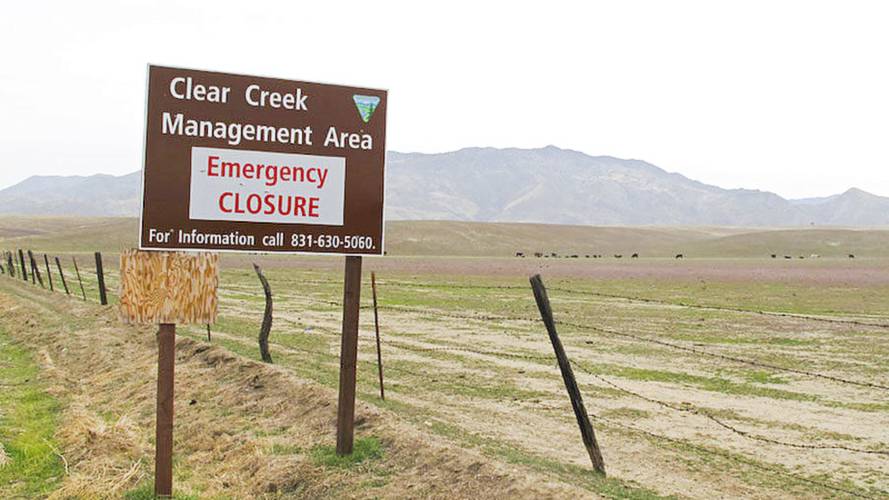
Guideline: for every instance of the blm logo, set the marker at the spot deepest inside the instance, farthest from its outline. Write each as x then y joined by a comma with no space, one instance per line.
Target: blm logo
366,105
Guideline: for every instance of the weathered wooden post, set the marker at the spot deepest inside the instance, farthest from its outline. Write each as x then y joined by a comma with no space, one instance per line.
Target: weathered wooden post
22,265
79,279
266,327
345,416
583,419
10,264
48,273
373,287
152,292
100,276
62,275
35,271
31,267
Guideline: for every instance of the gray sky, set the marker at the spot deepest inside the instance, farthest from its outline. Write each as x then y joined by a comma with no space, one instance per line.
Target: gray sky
791,97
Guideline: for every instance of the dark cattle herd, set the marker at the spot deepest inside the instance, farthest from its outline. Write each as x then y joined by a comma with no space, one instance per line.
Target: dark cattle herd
635,255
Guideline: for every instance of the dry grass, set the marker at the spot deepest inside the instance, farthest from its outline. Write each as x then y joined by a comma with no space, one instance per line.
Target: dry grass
243,429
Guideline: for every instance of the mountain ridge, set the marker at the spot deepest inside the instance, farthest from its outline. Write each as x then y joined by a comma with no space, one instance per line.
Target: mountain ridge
485,184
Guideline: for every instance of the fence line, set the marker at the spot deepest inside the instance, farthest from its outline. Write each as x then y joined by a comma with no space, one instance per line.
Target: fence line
582,326
586,370
640,338
607,421
691,410
631,298
635,337
773,470
688,305
697,411
36,276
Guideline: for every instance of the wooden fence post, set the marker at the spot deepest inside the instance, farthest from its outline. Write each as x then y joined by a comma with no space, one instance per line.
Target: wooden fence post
22,265
35,271
48,273
583,419
62,275
373,287
79,279
10,264
266,317
100,275
345,415
31,267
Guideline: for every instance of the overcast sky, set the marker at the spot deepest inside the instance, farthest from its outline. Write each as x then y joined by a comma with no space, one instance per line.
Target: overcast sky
790,97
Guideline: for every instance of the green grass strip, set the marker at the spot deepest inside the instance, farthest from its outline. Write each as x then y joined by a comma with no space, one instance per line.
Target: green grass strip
28,417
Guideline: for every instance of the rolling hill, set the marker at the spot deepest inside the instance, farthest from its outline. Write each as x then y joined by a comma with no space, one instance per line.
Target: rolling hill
546,185
552,185
481,239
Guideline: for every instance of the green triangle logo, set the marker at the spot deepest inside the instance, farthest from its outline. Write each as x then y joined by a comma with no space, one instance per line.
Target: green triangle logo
366,105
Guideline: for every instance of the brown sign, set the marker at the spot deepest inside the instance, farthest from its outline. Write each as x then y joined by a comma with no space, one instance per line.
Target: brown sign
244,163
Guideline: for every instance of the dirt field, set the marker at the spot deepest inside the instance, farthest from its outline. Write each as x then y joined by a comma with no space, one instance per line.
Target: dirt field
705,378
787,412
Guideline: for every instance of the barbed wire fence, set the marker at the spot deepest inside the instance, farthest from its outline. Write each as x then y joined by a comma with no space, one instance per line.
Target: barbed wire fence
95,281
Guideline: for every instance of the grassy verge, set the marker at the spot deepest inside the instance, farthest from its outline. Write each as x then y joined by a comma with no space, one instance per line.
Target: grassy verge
367,448
28,417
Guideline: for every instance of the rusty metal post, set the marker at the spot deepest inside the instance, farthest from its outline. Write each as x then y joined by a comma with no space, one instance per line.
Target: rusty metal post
373,287
79,279
48,273
100,275
62,275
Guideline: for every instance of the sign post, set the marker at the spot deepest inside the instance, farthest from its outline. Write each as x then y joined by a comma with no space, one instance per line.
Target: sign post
345,415
163,456
166,288
238,163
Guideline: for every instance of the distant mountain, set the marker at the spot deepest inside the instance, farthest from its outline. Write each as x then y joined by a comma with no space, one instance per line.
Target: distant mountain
546,185
73,195
853,208
552,185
